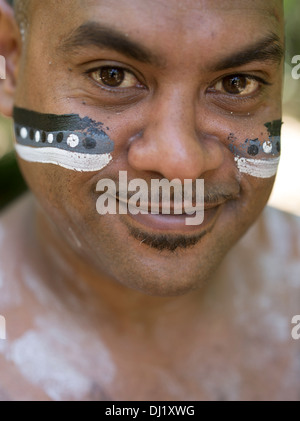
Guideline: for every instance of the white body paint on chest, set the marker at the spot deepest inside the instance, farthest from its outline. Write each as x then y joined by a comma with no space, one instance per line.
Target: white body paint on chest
67,159
261,168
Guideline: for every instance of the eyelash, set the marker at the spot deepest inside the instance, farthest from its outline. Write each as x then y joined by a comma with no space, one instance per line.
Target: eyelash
116,89
223,96
237,96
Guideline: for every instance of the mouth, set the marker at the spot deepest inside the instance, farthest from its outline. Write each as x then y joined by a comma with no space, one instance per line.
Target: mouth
170,232
160,208
174,218
175,223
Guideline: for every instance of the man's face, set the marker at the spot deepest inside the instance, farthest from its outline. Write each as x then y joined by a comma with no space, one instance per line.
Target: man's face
185,90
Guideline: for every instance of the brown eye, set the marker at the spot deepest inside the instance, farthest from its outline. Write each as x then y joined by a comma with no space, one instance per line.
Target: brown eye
234,85
114,77
237,85
111,76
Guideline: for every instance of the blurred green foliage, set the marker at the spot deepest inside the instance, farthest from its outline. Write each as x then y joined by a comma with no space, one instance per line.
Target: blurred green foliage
292,24
12,183
11,180
291,98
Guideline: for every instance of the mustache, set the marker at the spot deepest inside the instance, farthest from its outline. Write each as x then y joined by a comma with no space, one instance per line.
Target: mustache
213,195
214,191
160,195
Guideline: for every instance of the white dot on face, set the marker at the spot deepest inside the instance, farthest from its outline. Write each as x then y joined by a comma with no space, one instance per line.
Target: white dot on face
23,133
73,140
37,136
50,138
267,146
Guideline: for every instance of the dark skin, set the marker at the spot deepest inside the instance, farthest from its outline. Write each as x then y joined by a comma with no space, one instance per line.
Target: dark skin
195,124
131,311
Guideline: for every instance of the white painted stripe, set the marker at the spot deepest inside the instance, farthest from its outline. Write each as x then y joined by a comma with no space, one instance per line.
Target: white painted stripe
67,159
261,168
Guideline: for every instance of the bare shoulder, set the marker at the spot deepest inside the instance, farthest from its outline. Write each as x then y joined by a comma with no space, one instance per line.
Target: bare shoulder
41,357
269,261
14,248
273,246
263,271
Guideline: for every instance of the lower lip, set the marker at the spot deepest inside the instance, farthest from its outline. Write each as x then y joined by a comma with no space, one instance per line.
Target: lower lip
176,223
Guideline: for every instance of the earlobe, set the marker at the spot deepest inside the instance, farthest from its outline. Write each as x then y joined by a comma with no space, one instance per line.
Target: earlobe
10,49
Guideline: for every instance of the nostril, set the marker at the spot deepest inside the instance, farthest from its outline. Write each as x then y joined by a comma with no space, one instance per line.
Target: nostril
182,159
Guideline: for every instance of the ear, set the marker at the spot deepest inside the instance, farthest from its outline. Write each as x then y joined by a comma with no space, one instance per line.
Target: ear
10,50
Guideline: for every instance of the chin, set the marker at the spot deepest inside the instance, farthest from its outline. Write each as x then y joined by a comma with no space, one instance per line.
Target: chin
166,274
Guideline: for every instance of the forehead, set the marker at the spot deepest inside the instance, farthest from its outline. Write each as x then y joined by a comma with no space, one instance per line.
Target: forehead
186,16
174,31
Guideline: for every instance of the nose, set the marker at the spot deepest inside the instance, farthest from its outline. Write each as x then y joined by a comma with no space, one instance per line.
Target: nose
173,143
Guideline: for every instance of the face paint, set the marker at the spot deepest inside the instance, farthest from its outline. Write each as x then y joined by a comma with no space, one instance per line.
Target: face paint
69,141
274,129
261,168
253,147
268,150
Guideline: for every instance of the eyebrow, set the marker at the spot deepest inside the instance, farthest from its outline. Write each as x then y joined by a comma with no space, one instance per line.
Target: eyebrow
98,35
267,49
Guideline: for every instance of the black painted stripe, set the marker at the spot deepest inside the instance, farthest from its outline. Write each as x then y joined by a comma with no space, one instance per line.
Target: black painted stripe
92,139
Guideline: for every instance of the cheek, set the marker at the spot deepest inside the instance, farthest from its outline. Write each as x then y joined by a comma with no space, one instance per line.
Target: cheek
59,191
68,201
255,195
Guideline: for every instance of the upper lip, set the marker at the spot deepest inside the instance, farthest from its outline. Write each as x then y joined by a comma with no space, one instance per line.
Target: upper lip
179,207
